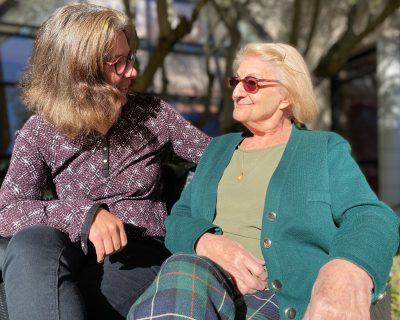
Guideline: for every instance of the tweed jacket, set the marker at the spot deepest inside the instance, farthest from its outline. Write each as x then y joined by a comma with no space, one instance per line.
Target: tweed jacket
318,207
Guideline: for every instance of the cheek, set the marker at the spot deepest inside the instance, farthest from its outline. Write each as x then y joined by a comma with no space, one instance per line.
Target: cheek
112,79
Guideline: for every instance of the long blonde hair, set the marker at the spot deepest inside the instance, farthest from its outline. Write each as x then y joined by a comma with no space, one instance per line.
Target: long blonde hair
293,74
64,81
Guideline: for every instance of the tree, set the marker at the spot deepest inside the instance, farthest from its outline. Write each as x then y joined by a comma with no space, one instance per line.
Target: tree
168,37
327,33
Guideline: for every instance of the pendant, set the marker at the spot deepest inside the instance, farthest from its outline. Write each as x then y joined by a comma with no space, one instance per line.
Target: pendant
240,176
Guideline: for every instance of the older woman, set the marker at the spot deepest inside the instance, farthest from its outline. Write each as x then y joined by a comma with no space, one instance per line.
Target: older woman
278,221
100,239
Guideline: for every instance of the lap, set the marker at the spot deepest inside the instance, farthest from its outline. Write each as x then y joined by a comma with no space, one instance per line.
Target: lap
40,245
193,286
121,278
109,288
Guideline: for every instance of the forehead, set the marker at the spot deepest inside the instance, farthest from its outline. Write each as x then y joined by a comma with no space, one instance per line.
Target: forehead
120,45
256,66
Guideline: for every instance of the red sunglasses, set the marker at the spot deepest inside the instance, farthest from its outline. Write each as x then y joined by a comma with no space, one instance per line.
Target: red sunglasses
250,84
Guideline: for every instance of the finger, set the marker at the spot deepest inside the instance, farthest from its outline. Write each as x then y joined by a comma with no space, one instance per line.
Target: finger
243,288
257,271
252,282
120,239
255,265
123,237
108,245
116,241
98,245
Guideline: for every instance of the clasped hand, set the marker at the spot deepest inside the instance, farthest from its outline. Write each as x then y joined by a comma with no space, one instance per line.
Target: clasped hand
248,272
107,233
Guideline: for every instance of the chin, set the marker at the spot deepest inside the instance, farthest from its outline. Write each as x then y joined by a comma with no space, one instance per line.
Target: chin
238,116
124,99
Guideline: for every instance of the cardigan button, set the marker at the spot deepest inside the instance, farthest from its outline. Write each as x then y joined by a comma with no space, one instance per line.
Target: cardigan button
271,216
381,296
276,284
267,243
290,313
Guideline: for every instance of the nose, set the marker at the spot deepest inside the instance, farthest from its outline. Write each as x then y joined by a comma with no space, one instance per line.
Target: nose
238,91
130,72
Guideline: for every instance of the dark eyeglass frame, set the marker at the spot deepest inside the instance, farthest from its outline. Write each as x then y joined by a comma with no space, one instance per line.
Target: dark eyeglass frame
121,63
250,84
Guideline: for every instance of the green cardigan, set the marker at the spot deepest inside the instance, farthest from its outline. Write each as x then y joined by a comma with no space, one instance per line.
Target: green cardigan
324,210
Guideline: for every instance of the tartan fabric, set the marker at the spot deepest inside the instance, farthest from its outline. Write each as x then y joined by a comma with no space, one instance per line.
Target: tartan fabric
193,287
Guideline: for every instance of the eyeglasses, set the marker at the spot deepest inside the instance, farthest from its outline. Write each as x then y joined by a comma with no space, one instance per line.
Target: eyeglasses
121,63
250,84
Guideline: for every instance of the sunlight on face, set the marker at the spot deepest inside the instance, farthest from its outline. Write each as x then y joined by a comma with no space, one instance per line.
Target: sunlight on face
123,81
267,103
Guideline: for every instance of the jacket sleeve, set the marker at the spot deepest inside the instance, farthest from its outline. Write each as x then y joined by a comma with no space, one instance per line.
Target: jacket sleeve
187,141
21,193
189,218
368,232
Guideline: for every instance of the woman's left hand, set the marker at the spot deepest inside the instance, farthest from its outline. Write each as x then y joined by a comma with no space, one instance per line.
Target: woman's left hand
342,291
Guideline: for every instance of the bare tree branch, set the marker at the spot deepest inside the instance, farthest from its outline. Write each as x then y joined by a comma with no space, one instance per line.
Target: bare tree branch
164,25
222,14
315,15
296,19
165,45
131,15
339,53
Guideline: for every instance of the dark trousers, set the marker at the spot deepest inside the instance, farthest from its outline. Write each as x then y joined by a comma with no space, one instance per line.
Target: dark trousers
48,277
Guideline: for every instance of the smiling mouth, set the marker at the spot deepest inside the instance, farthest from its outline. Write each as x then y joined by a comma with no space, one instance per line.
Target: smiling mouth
242,104
123,90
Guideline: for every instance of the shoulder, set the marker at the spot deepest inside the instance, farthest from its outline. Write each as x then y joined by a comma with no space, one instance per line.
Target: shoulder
147,105
142,98
144,101
225,139
35,127
323,138
221,143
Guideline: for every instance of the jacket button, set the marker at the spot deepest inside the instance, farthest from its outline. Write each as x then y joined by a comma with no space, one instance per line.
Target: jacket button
381,296
290,313
276,284
271,216
267,243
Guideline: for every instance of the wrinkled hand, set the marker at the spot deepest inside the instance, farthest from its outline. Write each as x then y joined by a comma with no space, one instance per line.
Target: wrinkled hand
342,291
247,271
107,233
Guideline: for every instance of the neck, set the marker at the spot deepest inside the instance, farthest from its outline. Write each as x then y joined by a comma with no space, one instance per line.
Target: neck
267,136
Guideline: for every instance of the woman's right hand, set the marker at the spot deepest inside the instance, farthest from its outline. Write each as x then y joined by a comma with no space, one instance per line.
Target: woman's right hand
107,233
247,271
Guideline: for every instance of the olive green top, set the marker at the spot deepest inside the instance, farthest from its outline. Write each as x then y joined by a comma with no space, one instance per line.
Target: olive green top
241,194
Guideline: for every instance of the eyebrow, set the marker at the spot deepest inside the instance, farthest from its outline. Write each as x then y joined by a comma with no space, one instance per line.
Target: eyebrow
115,57
255,75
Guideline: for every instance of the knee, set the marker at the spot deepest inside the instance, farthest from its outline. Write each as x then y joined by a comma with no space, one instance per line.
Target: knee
189,263
34,244
180,260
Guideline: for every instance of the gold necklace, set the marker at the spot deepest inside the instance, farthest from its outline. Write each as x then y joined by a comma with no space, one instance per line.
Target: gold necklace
240,177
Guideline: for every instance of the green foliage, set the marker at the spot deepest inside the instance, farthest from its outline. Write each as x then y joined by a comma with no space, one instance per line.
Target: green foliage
395,286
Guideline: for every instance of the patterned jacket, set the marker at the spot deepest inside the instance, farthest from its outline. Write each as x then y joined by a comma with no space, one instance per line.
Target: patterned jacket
119,171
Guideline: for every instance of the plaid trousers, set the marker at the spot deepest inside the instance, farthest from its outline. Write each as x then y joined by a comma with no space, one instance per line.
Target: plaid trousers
193,287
